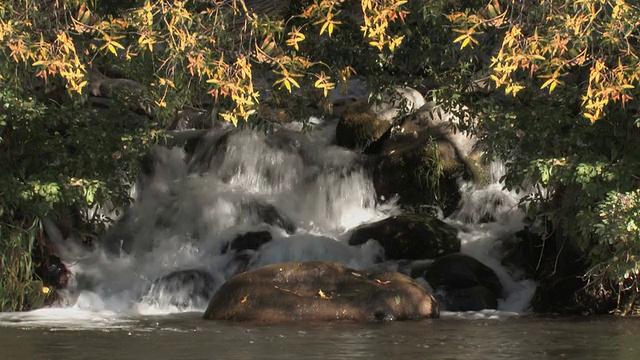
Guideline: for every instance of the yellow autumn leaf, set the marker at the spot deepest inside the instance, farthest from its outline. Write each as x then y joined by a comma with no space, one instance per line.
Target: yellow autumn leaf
112,49
460,38
324,27
464,43
322,294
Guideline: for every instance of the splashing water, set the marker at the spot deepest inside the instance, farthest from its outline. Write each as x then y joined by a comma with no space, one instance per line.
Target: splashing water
292,191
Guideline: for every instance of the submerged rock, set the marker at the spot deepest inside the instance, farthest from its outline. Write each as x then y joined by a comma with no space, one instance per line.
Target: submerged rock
319,291
412,237
183,289
468,299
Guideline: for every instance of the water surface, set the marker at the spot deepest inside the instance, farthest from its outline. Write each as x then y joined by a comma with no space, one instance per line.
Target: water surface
454,336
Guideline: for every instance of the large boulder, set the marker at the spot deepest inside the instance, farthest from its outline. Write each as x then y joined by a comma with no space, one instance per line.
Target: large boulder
409,237
319,291
422,161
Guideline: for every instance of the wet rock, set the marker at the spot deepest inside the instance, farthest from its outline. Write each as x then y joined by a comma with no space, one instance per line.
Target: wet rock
364,122
460,271
573,295
119,89
207,151
542,255
423,159
183,289
468,299
268,214
462,283
251,240
359,127
245,247
319,291
559,267
412,237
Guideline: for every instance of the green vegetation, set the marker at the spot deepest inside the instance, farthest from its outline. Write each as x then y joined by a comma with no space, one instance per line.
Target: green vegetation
552,87
569,121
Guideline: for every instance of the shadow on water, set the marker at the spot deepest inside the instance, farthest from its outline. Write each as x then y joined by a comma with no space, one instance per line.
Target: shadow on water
455,336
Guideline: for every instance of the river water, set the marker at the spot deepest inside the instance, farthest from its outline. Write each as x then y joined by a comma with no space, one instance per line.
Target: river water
484,335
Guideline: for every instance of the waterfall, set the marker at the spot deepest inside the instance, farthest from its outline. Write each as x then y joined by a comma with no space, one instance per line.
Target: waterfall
243,199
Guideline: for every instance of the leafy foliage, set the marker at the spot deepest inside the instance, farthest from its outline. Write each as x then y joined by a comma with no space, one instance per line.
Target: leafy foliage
568,120
18,289
588,44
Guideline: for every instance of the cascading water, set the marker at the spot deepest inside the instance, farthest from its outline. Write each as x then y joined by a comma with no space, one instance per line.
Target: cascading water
244,199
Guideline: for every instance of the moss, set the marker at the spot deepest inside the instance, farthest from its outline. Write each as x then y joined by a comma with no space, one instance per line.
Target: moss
410,236
476,172
420,177
359,127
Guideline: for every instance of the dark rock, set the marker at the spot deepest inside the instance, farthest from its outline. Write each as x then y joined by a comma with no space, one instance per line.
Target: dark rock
413,237
572,295
558,266
121,90
251,240
542,255
183,289
189,118
207,150
319,291
460,271
468,299
268,214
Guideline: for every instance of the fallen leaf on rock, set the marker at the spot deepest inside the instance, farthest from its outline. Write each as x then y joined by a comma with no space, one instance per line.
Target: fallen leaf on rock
383,282
322,295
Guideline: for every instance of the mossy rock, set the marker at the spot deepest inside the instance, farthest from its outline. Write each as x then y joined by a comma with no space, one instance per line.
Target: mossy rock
359,127
418,176
410,237
422,162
